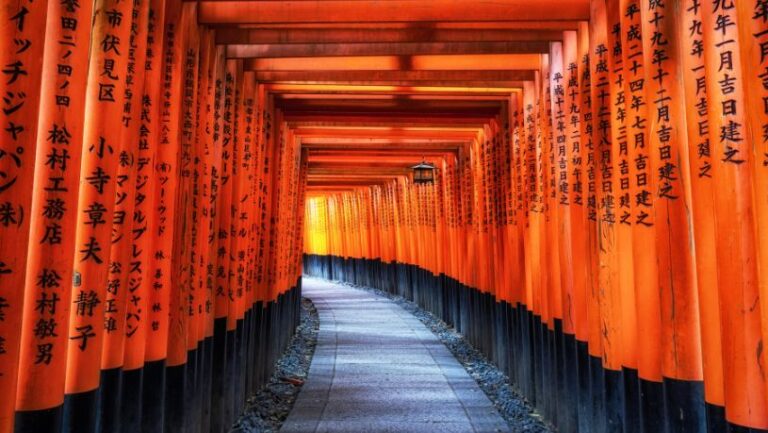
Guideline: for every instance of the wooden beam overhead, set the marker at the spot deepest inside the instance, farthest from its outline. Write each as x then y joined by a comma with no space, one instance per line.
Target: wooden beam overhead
294,122
321,191
328,91
351,161
365,76
515,85
388,119
402,105
437,62
500,95
401,25
359,172
375,154
353,179
419,11
384,49
381,145
388,133
336,35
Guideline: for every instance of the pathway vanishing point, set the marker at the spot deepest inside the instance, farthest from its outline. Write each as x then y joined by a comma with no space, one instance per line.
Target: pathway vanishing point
377,368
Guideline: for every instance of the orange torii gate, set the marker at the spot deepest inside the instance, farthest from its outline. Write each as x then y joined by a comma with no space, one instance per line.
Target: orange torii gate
596,226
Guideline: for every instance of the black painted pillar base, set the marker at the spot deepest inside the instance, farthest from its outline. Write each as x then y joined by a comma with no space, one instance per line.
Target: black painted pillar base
192,394
81,412
206,384
614,401
715,418
569,396
238,389
584,405
39,421
153,400
110,395
684,402
597,387
175,397
218,376
652,407
631,401
130,409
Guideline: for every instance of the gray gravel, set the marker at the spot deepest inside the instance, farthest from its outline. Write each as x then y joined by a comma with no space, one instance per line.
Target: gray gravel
266,411
514,408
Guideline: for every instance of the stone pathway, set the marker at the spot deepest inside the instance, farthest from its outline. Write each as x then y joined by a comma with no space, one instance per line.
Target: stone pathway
377,368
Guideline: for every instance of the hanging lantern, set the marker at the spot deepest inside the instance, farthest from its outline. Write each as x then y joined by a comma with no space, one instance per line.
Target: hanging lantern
423,172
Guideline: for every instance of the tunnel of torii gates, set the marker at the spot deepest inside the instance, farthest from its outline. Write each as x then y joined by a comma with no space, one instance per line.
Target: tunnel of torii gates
597,226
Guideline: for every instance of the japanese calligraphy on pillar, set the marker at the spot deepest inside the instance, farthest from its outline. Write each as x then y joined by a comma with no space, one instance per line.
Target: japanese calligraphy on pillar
587,126
100,157
22,27
245,230
166,180
140,283
640,180
122,254
213,172
223,252
621,186
700,161
42,361
667,141
559,121
732,165
236,270
205,155
185,82
575,241
608,295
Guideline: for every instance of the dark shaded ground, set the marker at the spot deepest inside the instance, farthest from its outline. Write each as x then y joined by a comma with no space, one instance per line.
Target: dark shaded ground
513,407
266,411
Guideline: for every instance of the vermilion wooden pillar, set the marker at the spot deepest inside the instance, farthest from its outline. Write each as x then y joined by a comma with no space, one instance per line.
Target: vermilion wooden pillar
752,22
100,158
646,298
43,359
209,195
121,256
22,32
216,327
202,298
623,211
139,286
668,157
575,242
180,366
142,318
608,382
239,238
166,186
593,368
221,407
702,190
732,170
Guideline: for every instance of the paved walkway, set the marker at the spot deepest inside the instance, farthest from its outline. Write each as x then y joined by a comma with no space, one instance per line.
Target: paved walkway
379,369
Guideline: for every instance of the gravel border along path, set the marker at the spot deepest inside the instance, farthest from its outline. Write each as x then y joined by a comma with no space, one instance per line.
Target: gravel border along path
266,411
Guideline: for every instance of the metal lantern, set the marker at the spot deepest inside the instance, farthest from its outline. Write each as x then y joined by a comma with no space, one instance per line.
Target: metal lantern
423,172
